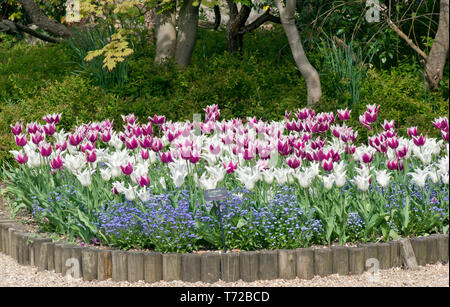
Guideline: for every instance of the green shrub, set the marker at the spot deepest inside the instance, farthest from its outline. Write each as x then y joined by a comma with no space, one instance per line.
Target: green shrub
24,69
404,98
38,80
76,98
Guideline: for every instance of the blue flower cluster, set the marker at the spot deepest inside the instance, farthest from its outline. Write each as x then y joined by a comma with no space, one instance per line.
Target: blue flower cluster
168,223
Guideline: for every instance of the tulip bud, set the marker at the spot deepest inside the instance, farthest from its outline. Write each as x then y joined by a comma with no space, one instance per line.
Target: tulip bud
21,140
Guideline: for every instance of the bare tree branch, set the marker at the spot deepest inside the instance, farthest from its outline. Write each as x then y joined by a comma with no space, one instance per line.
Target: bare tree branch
13,28
260,21
405,38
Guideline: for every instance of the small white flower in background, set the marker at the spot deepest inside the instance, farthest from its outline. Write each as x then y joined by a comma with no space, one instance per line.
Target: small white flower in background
209,157
178,166
383,177
248,176
290,175
102,154
339,167
216,172
419,176
60,136
73,150
152,157
425,156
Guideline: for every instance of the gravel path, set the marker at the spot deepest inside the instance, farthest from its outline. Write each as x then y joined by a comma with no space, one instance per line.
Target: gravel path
437,275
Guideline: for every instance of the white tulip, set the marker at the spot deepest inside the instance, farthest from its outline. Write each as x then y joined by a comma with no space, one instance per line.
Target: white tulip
178,179
115,141
105,173
143,195
207,183
340,178
444,177
383,178
304,179
34,159
119,186
362,182
328,181
85,177
443,164
74,163
130,193
419,177
314,170
268,176
280,175
432,172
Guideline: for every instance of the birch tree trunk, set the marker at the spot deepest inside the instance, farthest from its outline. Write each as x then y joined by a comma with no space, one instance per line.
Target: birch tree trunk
187,32
307,70
438,54
166,35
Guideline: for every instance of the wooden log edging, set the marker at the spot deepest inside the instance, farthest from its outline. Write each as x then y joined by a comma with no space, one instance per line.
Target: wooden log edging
89,263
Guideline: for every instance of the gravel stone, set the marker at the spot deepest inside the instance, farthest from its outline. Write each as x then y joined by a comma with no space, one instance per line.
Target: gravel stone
437,275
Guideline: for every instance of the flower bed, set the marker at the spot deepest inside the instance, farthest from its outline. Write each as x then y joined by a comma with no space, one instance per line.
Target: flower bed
294,183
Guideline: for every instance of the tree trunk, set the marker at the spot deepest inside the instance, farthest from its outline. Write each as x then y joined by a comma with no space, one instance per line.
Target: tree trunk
187,32
307,70
166,36
149,23
42,21
438,54
235,24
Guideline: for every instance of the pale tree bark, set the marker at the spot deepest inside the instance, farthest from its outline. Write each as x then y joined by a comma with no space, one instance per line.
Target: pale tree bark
42,21
306,69
438,54
187,32
149,23
166,36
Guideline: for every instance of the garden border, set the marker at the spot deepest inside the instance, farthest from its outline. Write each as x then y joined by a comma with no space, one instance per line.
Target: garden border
305,263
